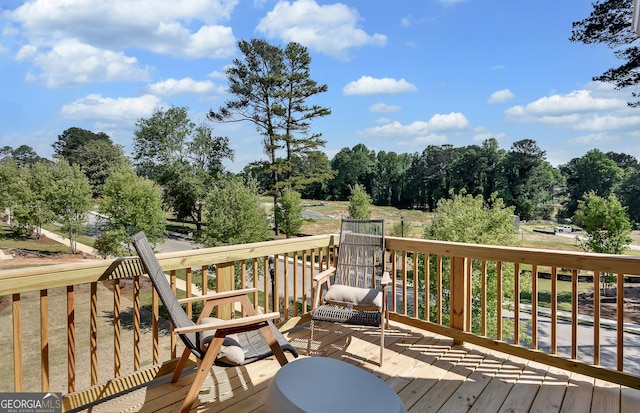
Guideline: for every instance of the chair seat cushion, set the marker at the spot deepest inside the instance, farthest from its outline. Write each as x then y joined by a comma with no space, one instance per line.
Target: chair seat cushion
231,352
348,295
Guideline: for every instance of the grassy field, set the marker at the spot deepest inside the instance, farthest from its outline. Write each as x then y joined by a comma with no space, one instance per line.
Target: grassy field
46,246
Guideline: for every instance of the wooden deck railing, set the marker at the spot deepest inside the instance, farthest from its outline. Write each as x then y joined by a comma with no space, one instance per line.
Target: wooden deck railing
115,337
462,276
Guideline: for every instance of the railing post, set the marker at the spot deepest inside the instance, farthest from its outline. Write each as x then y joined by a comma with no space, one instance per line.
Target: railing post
225,274
458,294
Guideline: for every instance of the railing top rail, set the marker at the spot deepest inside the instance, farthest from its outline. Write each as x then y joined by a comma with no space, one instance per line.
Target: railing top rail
620,264
60,275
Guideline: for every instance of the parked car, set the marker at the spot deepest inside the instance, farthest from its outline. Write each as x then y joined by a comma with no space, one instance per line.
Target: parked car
563,228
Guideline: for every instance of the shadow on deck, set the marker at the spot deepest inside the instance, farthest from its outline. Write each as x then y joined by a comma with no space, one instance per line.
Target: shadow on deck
427,371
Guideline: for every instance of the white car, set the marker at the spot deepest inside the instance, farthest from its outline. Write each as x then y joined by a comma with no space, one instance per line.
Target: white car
563,228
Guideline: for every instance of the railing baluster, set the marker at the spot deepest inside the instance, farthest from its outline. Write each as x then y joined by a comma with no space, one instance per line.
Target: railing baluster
174,344
304,282
596,318
516,303
93,332
554,310
17,343
44,340
404,282
574,314
136,323
534,306
620,323
71,340
427,287
276,283
243,280
188,290
117,350
483,298
394,276
312,274
469,304
439,288
155,327
285,263
416,283
205,279
266,286
295,283
254,283
499,300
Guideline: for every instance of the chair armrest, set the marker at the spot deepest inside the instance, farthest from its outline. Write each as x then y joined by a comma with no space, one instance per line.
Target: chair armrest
225,324
324,275
386,279
217,296
321,278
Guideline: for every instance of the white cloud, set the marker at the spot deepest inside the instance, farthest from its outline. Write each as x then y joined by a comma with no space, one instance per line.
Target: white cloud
451,121
173,87
383,108
597,109
368,85
73,63
438,123
180,28
500,96
559,105
593,139
331,29
97,107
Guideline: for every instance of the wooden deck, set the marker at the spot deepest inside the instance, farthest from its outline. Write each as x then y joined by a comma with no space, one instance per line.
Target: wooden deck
427,371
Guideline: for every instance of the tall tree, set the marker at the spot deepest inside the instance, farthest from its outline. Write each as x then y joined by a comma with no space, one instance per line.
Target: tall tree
271,87
390,176
70,199
315,164
519,170
130,204
9,182
607,226
629,194
359,203
471,219
24,155
32,209
610,23
96,159
592,172
74,138
353,166
297,89
234,214
183,158
289,213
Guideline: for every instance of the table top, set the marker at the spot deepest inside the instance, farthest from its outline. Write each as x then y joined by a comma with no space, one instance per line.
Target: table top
322,384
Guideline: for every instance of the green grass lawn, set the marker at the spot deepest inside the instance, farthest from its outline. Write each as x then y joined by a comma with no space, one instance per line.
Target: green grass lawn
564,293
8,239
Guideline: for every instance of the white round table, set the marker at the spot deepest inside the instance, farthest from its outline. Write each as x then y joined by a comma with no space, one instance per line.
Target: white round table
322,384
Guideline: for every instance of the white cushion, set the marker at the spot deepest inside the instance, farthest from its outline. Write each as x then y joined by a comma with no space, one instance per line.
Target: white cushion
348,295
230,353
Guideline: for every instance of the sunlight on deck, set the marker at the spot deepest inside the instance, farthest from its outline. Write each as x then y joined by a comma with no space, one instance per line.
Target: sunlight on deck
427,371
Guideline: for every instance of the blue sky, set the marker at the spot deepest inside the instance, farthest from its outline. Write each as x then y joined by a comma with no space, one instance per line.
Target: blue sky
401,74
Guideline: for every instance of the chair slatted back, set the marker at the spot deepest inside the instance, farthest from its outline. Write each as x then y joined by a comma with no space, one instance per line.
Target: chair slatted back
361,253
177,314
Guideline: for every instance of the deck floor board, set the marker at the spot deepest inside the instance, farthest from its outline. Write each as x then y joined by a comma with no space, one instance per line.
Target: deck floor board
427,371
